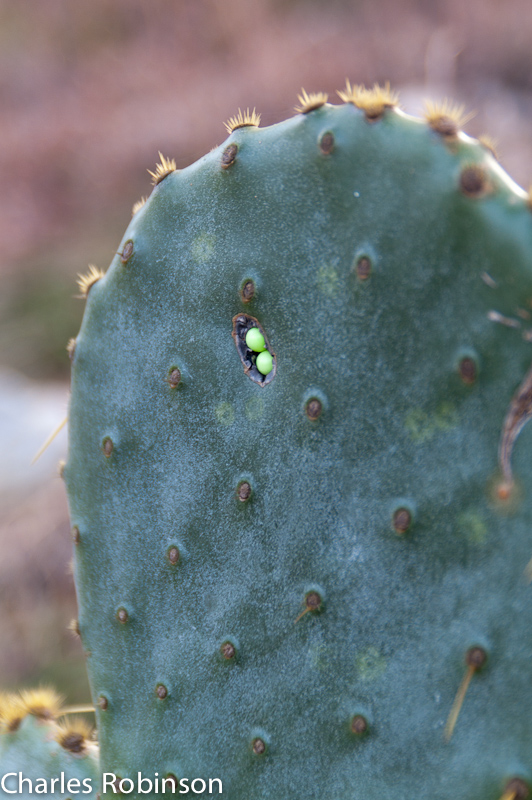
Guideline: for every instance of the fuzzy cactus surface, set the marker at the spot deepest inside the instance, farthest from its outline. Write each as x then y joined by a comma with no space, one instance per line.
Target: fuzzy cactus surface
310,582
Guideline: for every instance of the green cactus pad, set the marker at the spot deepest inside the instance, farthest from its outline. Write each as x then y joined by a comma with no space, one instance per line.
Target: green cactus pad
391,269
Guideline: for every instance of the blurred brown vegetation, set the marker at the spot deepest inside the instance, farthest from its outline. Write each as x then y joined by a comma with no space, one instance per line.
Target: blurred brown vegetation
91,91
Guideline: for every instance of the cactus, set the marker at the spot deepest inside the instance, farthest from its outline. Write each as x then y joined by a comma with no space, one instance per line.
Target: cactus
303,575
37,749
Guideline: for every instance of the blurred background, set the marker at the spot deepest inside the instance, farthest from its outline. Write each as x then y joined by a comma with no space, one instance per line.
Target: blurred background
89,93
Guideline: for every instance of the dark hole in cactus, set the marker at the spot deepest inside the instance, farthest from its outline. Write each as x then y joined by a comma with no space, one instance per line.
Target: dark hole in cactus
229,155
107,446
241,325
13,724
243,491
228,650
127,252
476,657
171,784
247,292
375,111
444,125
327,143
504,491
402,520
467,370
313,408
363,268
174,378
359,724
75,742
258,746
473,181
313,601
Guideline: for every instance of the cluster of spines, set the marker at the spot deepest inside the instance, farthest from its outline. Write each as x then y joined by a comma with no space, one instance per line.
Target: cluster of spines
246,119
138,205
87,280
446,118
373,102
43,703
164,168
310,102
72,733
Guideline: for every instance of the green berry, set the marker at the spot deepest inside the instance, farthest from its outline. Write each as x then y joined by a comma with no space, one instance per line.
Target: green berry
255,341
264,362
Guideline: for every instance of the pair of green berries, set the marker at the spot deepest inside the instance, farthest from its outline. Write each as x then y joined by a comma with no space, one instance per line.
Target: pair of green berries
255,341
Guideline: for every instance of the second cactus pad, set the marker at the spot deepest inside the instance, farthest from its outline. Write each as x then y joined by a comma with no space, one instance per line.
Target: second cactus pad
310,584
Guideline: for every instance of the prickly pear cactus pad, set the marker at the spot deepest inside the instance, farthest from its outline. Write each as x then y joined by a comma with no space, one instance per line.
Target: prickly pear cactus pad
311,582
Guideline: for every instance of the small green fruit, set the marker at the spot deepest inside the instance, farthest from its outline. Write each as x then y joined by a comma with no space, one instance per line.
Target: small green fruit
264,362
255,341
